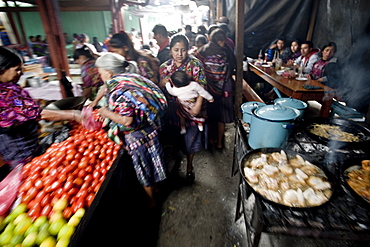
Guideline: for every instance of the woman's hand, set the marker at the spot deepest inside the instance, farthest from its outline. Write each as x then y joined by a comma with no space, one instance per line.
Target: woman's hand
163,82
104,112
93,104
61,115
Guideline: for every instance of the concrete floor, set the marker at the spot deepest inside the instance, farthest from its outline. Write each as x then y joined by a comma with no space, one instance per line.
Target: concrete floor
201,214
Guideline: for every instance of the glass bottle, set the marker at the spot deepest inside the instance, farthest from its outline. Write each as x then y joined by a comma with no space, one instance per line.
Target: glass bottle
260,55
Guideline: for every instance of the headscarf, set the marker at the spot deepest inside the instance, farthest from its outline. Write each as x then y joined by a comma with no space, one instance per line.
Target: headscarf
146,97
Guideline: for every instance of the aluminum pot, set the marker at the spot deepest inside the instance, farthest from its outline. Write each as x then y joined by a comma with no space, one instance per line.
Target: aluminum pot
247,108
271,126
294,103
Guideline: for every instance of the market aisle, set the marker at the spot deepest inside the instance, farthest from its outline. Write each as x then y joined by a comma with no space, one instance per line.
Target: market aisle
203,214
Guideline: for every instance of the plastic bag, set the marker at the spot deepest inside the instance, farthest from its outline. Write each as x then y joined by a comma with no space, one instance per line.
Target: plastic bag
88,119
9,189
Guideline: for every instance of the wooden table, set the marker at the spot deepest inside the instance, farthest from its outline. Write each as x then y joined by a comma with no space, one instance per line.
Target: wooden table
294,88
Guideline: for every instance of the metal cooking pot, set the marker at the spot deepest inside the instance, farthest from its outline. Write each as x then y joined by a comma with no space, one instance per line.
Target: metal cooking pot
271,126
294,103
247,108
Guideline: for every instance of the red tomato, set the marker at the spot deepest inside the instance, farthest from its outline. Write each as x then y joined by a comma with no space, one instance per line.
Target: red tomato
102,155
97,149
88,178
46,200
82,193
62,177
40,195
48,180
90,198
109,151
73,200
70,156
103,171
53,172
54,199
68,185
83,164
96,174
59,191
80,203
92,160
81,149
32,192
33,203
67,213
34,212
55,185
73,191
89,169
81,173
78,156
26,186
46,210
78,181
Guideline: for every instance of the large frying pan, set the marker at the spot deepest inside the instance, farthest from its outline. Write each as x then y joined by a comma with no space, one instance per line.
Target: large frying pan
289,153
344,168
345,125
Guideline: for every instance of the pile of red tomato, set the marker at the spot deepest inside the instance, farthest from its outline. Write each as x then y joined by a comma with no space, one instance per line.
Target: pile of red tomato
73,169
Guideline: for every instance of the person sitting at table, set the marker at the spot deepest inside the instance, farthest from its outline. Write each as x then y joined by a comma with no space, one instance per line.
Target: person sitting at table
278,50
295,50
326,70
308,58
89,73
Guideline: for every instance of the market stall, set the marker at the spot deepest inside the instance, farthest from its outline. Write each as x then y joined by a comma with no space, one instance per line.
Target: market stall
59,186
345,215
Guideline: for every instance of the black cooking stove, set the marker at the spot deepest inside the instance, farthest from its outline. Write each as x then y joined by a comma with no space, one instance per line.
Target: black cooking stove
344,216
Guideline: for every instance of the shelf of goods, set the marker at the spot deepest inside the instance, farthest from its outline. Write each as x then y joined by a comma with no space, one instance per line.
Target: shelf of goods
60,191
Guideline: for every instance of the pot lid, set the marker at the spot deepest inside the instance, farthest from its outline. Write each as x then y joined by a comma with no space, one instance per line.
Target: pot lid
276,112
247,107
295,103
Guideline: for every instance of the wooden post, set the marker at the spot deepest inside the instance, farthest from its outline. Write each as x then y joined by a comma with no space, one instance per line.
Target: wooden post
239,38
219,9
312,20
12,23
211,12
29,50
49,12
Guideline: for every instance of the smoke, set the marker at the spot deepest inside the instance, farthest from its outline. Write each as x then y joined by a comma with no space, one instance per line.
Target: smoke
355,86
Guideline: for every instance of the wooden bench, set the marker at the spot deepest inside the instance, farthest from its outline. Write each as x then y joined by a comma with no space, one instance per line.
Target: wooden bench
249,93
